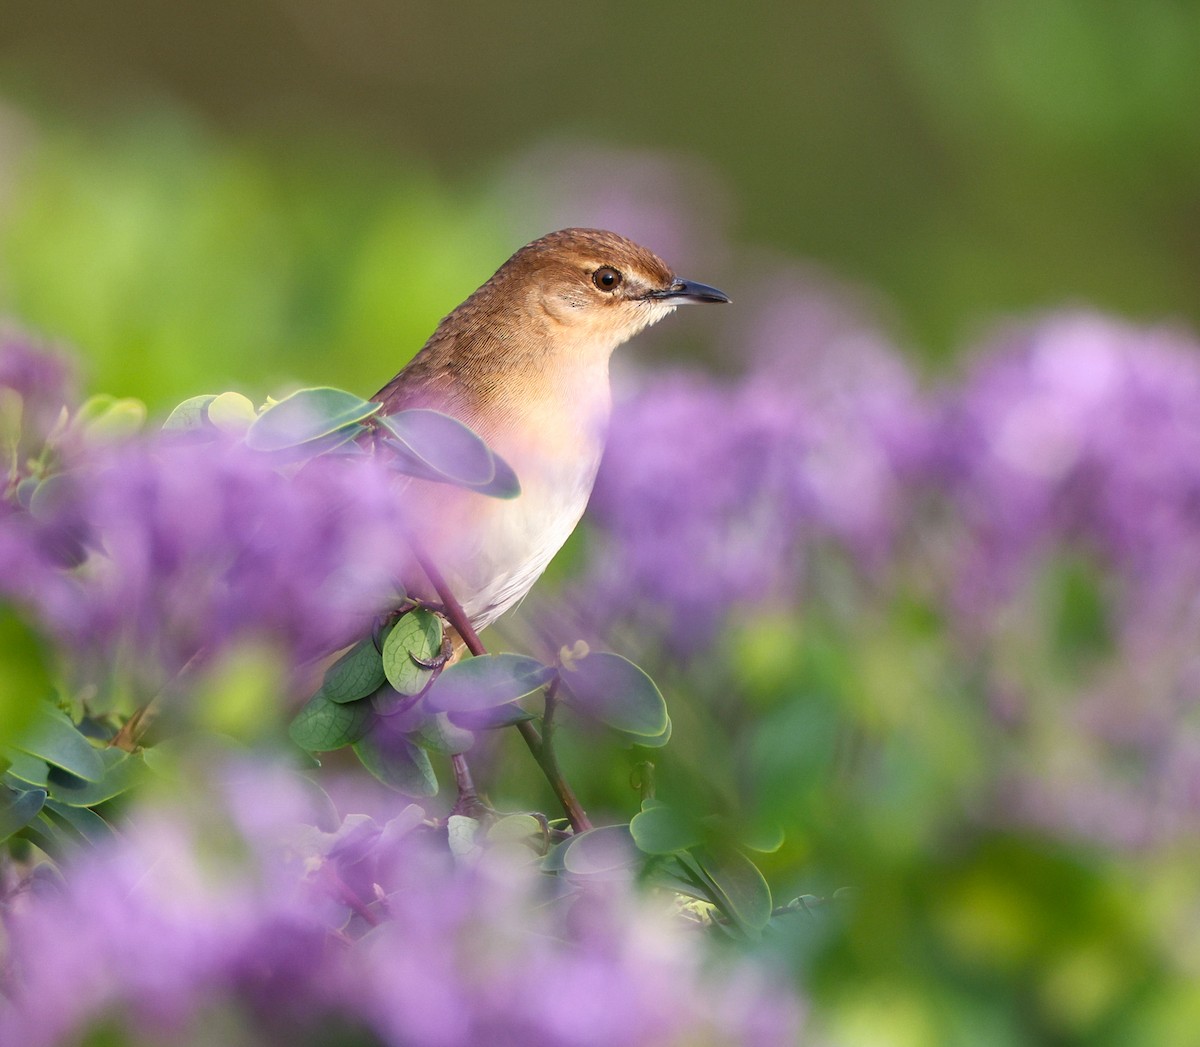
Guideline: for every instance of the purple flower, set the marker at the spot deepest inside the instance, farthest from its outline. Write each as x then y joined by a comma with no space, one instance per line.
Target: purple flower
1080,432
246,906
192,547
35,385
716,493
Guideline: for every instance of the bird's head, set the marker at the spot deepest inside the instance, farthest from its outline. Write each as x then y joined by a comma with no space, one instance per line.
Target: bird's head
594,286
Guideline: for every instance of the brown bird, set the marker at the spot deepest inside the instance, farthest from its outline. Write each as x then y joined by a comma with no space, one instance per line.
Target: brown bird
524,362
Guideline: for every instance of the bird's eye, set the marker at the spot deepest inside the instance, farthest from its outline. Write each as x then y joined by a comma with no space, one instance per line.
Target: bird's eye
606,278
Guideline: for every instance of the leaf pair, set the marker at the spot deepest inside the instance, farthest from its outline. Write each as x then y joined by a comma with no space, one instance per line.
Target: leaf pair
603,686
703,867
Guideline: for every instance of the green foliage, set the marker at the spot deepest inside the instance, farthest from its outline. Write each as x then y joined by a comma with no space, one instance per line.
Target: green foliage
399,763
435,446
616,692
487,682
54,738
355,674
415,638
194,263
323,725
306,417
18,809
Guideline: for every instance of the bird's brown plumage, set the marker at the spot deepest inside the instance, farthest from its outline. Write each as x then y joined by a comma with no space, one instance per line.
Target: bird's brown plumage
524,362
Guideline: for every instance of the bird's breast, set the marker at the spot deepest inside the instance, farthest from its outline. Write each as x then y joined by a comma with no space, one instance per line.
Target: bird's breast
493,550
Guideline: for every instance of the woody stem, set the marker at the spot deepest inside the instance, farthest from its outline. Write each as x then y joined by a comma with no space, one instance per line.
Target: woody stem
538,745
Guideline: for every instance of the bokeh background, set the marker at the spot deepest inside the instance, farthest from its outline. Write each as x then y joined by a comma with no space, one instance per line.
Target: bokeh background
304,189
263,195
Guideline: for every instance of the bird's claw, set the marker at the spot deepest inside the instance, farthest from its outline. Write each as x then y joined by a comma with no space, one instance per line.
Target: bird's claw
437,663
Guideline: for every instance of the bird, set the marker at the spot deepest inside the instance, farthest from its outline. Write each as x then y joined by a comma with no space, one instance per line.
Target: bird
524,362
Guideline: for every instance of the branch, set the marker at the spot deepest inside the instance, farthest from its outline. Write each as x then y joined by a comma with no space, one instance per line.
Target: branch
538,745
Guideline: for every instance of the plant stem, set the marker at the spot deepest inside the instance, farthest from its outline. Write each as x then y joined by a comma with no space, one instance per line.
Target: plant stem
539,745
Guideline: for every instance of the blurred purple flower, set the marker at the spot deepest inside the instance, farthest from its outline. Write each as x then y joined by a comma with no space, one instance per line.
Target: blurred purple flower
1078,438
1080,431
714,493
370,925
206,545
43,380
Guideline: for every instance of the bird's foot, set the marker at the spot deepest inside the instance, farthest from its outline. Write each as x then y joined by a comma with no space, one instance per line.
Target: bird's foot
440,661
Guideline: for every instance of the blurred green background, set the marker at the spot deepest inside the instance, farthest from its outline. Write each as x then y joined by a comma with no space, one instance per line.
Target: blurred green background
252,195
219,194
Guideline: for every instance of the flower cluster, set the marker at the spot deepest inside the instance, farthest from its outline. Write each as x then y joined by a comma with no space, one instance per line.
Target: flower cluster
1081,430
258,909
1071,445
716,494
178,547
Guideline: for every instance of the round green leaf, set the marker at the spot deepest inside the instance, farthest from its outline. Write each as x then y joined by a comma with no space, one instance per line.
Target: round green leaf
189,415
399,763
461,834
615,691
307,415
322,725
523,827
54,738
18,809
417,634
504,484
25,768
87,824
439,447
117,421
490,719
121,772
658,829
739,888
355,674
607,849
487,681
441,736
232,413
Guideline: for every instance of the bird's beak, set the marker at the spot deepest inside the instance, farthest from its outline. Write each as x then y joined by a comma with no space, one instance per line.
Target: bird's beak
685,292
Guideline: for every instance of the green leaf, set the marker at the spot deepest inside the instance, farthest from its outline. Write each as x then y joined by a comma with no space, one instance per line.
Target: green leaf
656,741
355,675
190,415
418,633
122,771
232,413
26,768
18,809
439,447
322,725
659,829
504,484
487,681
399,763
54,738
49,496
113,422
305,416
442,736
88,824
615,691
491,719
461,834
522,827
607,849
740,890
